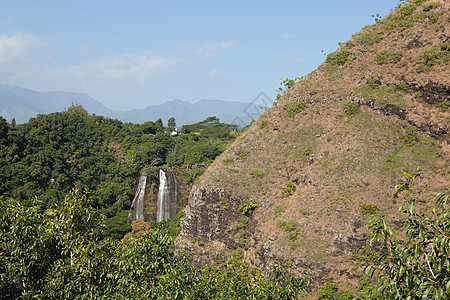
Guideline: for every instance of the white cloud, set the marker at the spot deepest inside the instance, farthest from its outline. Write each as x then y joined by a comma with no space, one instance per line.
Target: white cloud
287,35
18,46
216,74
129,67
96,74
209,51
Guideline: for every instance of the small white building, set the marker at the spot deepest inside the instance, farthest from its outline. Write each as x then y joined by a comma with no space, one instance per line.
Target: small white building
175,132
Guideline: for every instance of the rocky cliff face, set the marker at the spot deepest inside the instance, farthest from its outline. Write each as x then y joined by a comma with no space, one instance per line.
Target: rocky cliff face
328,154
209,216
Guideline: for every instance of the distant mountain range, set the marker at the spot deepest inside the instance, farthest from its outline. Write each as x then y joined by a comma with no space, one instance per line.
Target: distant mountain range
22,104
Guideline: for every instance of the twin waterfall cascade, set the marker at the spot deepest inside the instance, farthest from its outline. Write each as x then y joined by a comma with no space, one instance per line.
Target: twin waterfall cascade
167,196
138,201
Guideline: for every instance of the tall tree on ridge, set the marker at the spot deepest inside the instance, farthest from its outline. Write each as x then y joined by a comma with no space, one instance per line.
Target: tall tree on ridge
171,124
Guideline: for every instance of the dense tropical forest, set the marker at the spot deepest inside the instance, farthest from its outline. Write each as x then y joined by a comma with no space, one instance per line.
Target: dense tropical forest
57,253
51,154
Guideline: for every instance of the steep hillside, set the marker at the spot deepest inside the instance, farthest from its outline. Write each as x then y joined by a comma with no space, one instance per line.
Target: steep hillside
330,151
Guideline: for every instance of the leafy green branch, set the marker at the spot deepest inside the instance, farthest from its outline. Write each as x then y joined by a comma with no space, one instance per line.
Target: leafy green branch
286,84
417,266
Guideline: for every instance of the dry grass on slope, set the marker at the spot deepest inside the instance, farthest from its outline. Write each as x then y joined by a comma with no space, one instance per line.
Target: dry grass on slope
344,159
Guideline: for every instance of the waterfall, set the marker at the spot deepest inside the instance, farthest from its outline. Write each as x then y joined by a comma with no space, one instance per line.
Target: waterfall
138,201
167,196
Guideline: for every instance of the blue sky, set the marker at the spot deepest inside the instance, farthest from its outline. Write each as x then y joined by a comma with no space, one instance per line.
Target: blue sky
131,54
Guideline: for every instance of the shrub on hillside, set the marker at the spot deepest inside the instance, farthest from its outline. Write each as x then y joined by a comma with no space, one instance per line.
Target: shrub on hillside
247,209
367,209
367,39
434,55
279,209
227,161
289,226
244,154
257,173
305,211
307,151
365,256
294,107
263,124
340,57
373,82
351,108
329,290
289,189
388,56
411,136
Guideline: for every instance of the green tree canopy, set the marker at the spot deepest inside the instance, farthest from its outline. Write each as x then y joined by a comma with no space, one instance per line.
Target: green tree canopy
417,265
171,124
159,123
3,129
55,254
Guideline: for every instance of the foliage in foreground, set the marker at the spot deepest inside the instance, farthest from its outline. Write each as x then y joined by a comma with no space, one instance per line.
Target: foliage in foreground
56,254
418,265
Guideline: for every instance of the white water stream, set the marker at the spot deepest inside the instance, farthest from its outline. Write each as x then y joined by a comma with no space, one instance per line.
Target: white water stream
167,196
138,201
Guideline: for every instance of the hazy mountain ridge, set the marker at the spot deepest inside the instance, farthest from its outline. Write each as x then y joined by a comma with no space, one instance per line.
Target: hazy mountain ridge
22,104
185,112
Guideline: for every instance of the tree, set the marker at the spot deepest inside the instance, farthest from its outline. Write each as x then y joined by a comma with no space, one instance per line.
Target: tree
418,266
13,122
77,109
3,128
159,124
32,241
27,249
149,127
171,124
210,120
